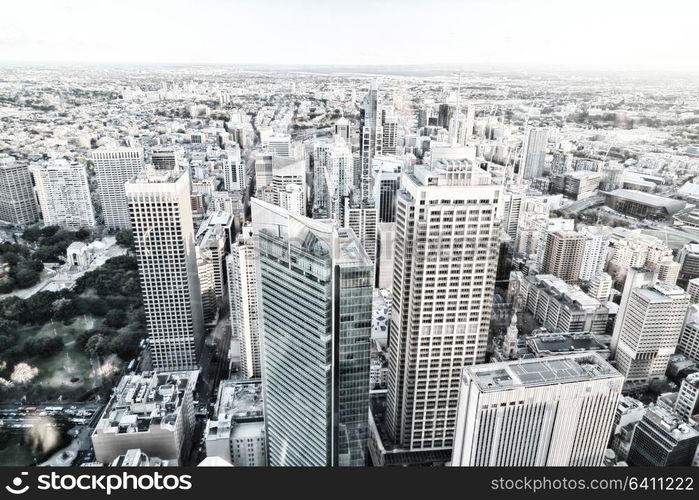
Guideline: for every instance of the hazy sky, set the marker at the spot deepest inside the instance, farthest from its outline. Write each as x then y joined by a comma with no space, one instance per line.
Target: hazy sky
607,34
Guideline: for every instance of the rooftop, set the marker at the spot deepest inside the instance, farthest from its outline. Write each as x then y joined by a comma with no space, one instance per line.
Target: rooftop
541,371
670,204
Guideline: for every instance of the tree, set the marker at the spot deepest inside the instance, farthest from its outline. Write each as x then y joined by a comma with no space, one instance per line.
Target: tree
96,346
116,318
43,346
125,238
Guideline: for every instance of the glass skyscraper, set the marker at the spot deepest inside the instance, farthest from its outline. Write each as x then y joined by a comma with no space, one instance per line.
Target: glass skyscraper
316,288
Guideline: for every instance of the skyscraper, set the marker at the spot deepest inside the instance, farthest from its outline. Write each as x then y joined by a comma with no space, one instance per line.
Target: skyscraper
316,283
663,439
533,153
362,219
17,200
243,296
563,255
445,259
389,124
114,167
536,412
161,218
650,331
64,194
371,139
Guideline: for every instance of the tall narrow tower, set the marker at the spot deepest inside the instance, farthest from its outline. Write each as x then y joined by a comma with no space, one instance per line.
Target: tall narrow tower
316,290
445,259
161,217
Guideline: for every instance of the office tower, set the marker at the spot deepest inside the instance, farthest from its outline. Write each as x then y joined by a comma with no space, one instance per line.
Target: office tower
316,283
234,172
470,120
650,331
445,259
512,206
693,290
687,402
387,171
342,128
113,168
533,153
663,439
279,145
17,200
286,172
389,123
595,251
292,198
213,240
612,177
333,173
561,307
689,340
164,158
371,140
561,163
688,258
243,296
321,194
264,164
601,287
445,115
63,192
362,219
384,254
161,218
536,412
207,288
637,277
563,255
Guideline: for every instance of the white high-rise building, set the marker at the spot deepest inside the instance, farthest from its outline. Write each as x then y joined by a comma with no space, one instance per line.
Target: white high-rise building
242,293
389,124
279,145
445,258
595,254
687,402
292,198
17,200
362,218
161,218
601,287
63,192
113,168
234,172
637,277
512,207
286,172
650,331
536,412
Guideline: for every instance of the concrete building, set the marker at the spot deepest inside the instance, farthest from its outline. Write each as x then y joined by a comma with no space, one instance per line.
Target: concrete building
293,199
533,153
650,331
244,302
236,434
563,255
693,290
687,402
689,340
595,252
316,286
63,192
561,307
577,185
161,217
152,411
688,257
445,260
386,170
544,412
663,439
600,287
362,219
279,145
544,345
17,200
113,168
